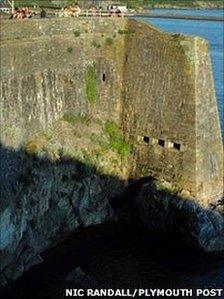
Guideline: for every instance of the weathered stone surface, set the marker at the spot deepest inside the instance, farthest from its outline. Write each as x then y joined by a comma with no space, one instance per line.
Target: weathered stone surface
170,111
156,85
164,211
147,82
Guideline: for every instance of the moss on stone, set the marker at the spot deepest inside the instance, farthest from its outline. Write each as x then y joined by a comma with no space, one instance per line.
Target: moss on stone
109,41
96,45
99,146
77,33
91,86
117,141
73,118
70,50
126,31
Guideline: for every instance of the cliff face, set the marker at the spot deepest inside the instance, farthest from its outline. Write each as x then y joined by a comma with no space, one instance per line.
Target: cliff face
167,212
43,202
86,104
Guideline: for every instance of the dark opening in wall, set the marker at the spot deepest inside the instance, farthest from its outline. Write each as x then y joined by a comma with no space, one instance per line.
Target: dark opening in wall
104,77
161,142
146,139
177,146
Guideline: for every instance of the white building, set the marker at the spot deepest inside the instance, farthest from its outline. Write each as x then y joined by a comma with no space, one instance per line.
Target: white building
121,7
6,5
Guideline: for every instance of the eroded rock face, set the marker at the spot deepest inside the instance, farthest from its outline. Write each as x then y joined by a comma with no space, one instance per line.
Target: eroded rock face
43,202
163,210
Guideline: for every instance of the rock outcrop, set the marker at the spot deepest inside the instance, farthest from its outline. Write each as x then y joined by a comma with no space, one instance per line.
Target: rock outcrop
43,202
162,209
62,179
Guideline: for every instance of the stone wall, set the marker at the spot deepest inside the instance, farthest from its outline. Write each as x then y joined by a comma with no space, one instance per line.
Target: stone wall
147,80
209,158
157,87
44,69
170,111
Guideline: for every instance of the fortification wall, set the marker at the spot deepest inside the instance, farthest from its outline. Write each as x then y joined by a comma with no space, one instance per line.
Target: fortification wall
45,67
209,156
170,111
158,86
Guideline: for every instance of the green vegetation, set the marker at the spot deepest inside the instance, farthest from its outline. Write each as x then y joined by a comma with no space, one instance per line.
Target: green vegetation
77,33
70,50
130,3
73,118
91,86
37,3
172,189
35,145
66,152
70,117
126,31
48,134
109,41
99,146
117,141
172,3
96,45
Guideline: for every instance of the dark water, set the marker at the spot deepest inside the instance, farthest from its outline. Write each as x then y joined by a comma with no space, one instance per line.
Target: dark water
120,256
212,31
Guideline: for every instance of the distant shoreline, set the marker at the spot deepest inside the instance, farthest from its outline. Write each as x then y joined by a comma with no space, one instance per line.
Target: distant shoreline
179,16
186,8
200,4
167,6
